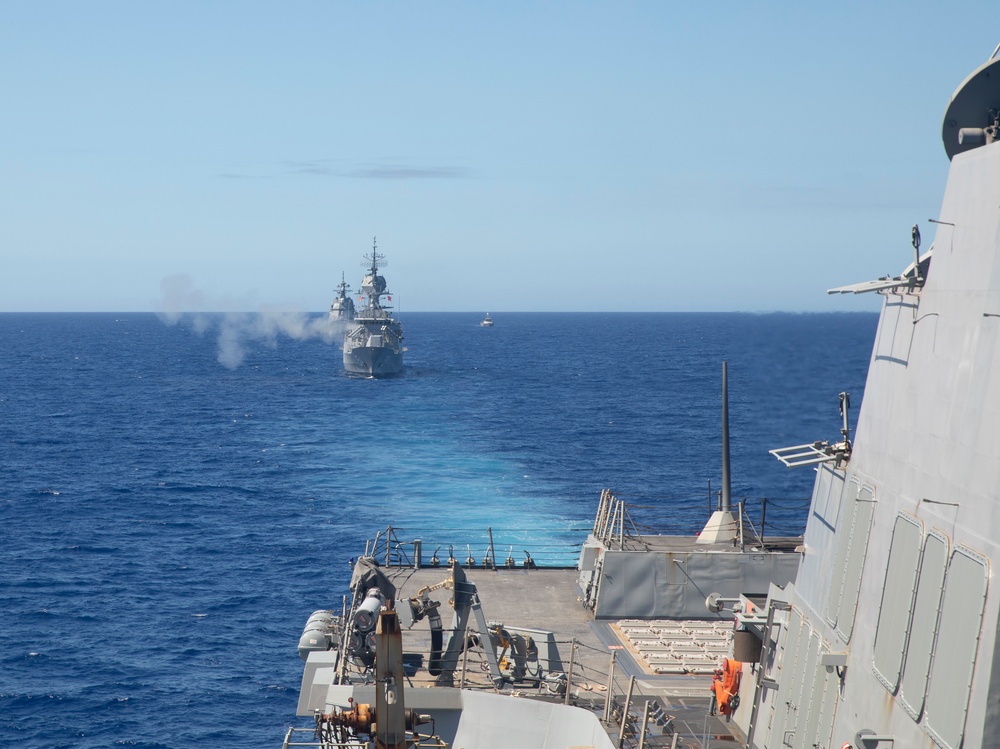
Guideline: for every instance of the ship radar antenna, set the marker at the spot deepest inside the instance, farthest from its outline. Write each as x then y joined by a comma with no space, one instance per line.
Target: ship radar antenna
845,413
822,451
374,261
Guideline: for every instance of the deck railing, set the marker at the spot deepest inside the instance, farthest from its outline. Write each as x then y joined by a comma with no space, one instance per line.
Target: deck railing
486,548
621,522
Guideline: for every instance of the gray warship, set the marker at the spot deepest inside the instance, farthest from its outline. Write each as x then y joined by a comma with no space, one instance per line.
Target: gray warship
876,630
373,346
342,308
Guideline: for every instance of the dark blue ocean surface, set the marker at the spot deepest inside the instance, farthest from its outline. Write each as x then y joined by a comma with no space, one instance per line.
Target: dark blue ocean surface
167,523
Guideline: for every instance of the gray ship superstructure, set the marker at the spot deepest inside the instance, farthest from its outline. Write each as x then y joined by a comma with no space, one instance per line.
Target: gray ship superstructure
373,345
888,636
342,308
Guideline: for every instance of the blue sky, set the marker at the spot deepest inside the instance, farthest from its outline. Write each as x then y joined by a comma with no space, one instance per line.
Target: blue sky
509,156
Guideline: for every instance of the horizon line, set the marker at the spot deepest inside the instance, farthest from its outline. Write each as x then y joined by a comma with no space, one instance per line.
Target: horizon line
451,312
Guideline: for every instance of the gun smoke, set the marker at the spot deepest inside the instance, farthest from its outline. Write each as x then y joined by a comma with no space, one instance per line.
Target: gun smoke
236,330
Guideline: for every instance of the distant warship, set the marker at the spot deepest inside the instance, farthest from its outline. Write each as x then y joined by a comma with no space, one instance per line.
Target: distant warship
374,345
342,309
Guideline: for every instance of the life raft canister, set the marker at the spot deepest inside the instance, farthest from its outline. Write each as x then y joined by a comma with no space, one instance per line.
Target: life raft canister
727,685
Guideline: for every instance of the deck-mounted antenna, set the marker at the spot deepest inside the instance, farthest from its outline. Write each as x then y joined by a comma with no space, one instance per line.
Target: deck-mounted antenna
916,252
910,280
721,527
822,451
845,414
727,489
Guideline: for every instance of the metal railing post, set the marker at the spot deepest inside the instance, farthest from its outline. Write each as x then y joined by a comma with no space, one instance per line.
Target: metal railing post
611,688
569,674
465,654
628,701
600,512
642,730
763,514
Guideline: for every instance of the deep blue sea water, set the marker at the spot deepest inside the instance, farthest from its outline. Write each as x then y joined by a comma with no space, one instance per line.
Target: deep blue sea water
167,523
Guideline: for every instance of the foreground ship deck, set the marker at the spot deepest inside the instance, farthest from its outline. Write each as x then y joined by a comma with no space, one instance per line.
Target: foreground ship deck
546,604
516,642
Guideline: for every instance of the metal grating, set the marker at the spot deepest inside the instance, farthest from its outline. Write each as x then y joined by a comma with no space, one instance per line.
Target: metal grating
678,646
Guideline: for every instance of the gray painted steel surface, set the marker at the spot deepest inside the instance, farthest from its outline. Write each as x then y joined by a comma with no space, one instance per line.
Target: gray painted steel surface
674,584
894,585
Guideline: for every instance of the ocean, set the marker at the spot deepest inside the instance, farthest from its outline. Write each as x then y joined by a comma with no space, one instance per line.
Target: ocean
178,496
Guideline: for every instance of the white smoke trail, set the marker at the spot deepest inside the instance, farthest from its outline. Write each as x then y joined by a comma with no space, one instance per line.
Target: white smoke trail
182,302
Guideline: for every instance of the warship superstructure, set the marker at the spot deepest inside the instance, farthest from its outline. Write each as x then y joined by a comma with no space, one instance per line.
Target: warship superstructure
342,307
888,636
876,630
373,346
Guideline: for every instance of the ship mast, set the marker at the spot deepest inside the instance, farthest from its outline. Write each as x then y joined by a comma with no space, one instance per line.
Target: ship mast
725,505
721,526
373,284
342,287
